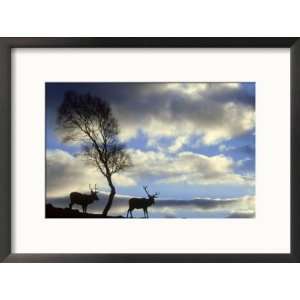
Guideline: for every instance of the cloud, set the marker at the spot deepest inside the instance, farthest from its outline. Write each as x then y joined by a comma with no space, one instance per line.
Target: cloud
168,118
177,145
184,111
67,173
225,148
244,156
210,112
185,167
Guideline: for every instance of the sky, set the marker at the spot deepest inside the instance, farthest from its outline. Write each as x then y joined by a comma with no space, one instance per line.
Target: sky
187,141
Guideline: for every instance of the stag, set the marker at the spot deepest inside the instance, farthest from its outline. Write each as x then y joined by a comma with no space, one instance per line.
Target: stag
141,203
83,199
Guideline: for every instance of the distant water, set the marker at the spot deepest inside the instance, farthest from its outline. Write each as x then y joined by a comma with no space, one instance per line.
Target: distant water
200,208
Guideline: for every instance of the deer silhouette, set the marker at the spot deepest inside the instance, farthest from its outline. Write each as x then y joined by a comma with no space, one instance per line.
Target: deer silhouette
83,199
141,203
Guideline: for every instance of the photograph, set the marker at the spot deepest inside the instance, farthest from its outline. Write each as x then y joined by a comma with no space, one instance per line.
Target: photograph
142,150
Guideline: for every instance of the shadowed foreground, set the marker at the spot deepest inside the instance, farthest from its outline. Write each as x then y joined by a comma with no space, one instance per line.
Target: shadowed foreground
55,212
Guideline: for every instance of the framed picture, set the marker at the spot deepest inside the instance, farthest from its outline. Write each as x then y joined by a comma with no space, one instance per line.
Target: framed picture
149,149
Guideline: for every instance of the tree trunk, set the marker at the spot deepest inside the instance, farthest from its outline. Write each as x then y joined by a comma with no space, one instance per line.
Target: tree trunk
110,198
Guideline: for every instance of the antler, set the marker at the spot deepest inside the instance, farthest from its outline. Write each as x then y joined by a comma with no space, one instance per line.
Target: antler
145,188
154,195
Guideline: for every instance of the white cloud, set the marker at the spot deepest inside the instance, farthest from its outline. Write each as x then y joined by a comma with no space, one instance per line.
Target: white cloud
67,173
170,116
224,148
177,145
189,89
196,90
185,167
241,162
209,111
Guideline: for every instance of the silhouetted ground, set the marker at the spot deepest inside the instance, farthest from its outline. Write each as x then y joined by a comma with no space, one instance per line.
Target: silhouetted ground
55,212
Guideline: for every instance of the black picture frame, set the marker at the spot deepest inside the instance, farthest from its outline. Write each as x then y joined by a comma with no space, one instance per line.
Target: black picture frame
6,123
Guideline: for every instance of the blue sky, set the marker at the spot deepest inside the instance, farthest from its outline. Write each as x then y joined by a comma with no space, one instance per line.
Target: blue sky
186,140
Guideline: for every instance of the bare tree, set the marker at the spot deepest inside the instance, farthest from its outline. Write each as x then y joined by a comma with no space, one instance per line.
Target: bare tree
89,121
